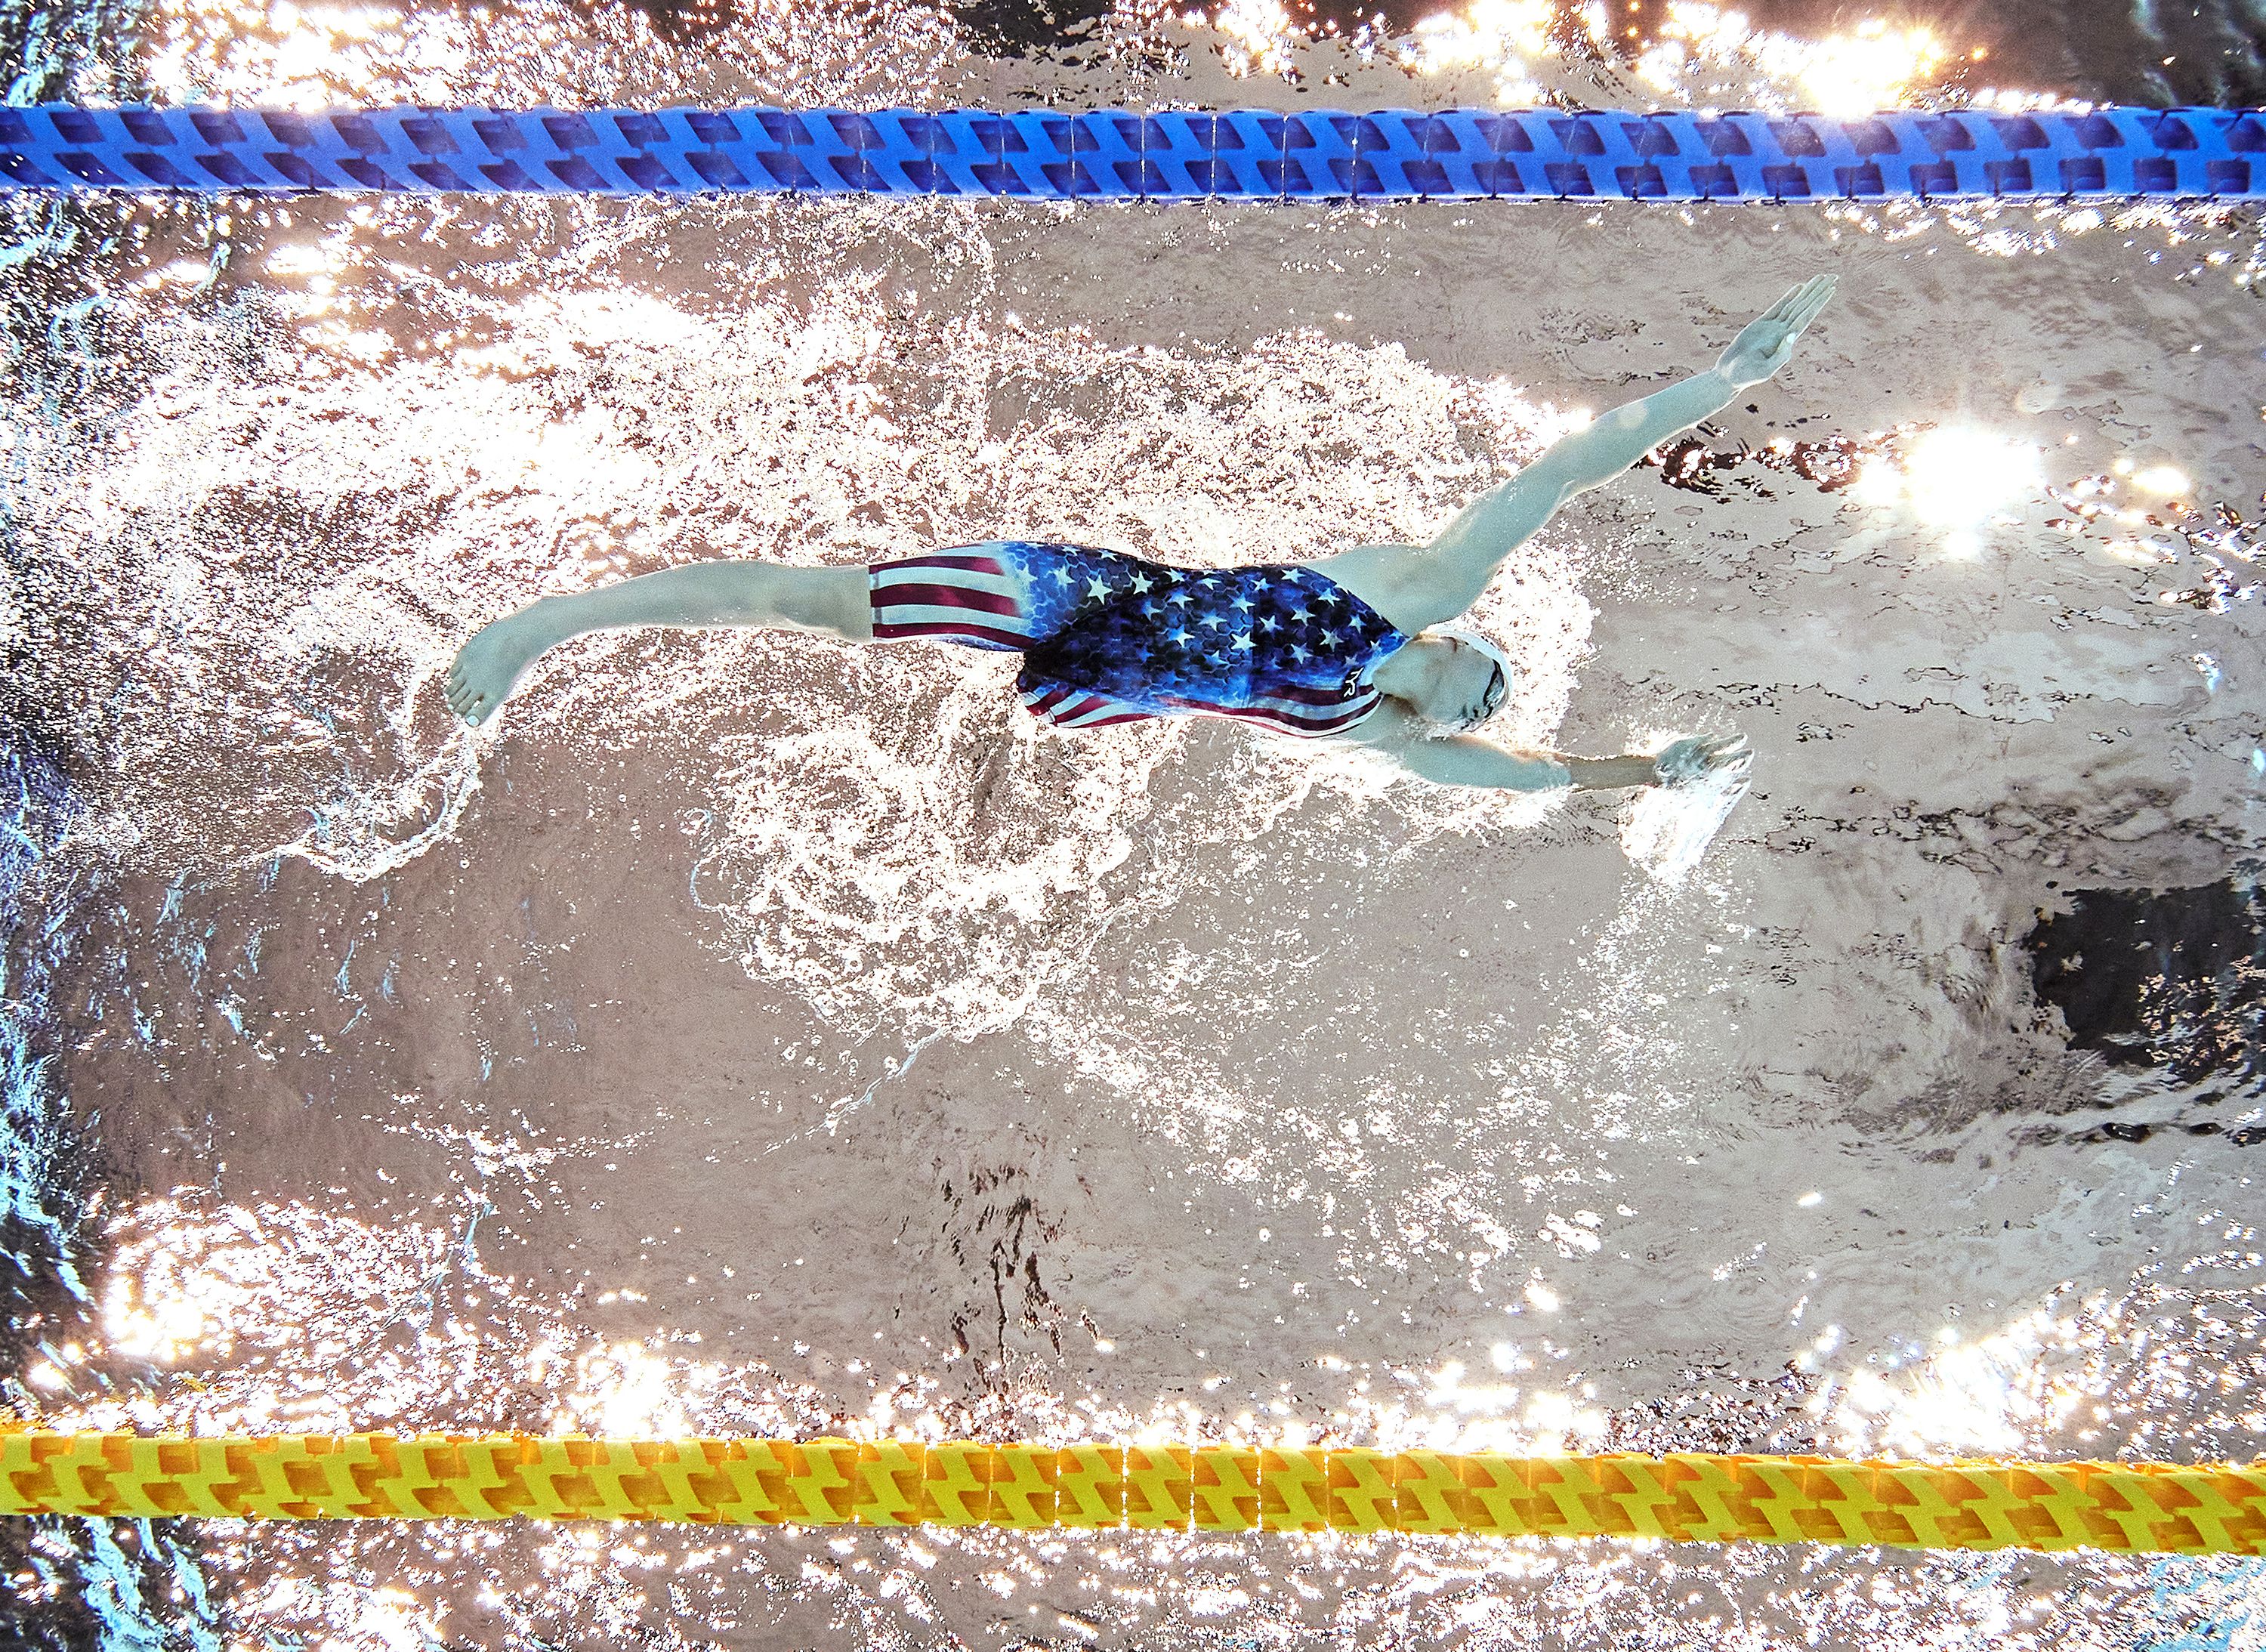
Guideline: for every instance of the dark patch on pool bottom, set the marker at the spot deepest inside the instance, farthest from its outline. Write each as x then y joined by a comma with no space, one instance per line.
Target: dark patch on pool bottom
31,1612
1019,27
1718,1410
1012,28
2172,980
993,1222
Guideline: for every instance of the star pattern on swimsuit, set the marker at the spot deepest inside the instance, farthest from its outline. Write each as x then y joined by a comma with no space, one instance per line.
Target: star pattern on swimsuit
1163,638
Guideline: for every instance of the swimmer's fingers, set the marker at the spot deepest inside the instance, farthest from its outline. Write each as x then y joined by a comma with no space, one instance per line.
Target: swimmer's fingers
1789,303
1779,347
1813,295
1802,301
1769,330
1765,345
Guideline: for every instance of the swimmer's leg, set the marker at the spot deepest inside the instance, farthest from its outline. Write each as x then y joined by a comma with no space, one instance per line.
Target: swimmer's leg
831,601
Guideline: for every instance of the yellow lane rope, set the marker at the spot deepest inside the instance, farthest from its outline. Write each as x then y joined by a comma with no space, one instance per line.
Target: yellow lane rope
2137,1507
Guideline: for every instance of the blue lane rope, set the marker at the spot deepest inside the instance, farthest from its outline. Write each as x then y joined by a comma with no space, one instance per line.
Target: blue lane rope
1249,155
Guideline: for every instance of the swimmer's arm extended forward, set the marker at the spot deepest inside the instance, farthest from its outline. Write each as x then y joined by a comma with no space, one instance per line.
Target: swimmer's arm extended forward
1468,760
720,591
1603,449
1417,586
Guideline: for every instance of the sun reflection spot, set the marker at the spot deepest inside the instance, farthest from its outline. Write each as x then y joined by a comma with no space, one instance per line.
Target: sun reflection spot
1956,479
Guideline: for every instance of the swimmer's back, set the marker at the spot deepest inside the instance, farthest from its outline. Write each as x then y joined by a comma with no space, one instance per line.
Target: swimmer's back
1109,638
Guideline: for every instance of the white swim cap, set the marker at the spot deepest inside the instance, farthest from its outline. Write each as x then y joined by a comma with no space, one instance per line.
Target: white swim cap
1506,680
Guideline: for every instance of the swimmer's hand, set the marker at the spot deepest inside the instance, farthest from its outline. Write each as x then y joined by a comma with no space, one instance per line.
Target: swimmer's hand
496,658
1767,342
1698,758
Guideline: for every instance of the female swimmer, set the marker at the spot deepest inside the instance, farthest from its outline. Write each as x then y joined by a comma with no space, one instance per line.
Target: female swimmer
1355,647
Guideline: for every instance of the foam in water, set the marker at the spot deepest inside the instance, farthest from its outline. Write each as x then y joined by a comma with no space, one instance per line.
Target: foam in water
1666,830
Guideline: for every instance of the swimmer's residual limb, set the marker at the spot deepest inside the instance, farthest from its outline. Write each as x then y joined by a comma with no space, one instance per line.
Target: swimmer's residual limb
2196,1508
1053,153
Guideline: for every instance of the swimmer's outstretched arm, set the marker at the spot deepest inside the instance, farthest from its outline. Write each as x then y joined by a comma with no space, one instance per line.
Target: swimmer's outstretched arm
723,591
1468,760
1416,586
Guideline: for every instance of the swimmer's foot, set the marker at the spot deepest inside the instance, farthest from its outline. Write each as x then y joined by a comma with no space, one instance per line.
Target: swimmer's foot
493,661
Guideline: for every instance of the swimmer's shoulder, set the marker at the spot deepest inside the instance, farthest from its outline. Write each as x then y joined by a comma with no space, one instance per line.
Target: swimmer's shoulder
1392,579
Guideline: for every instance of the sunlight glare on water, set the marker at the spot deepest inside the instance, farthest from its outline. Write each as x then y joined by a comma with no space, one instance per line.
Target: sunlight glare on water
1956,480
1872,66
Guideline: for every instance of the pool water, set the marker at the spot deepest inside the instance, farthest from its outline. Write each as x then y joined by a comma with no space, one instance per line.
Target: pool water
751,1035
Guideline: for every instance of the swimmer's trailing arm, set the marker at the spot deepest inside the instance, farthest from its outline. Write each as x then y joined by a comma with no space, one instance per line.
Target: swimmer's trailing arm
1468,760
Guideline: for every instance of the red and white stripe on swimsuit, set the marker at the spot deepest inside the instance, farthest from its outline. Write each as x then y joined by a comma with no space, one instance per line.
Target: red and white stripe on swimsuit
1078,708
964,597
970,597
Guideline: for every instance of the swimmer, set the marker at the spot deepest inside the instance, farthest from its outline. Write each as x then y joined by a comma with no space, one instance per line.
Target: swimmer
1356,646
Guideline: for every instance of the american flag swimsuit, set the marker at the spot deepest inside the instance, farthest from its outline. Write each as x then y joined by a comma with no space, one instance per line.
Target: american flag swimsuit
1109,639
